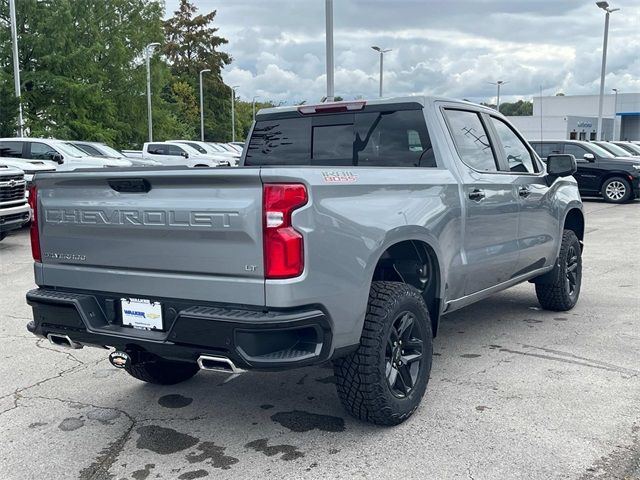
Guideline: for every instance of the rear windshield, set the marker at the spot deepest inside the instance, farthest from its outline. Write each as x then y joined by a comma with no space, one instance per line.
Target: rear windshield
396,138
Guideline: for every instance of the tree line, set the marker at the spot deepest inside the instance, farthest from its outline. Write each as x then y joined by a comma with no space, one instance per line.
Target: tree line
83,72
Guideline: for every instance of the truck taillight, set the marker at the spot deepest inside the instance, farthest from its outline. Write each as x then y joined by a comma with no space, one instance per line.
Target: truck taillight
283,245
35,235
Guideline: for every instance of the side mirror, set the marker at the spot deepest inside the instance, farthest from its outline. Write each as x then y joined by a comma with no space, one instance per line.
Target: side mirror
185,154
561,165
589,157
56,157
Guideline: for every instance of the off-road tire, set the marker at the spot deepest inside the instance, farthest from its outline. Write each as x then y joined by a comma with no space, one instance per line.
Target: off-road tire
361,379
162,372
556,295
613,195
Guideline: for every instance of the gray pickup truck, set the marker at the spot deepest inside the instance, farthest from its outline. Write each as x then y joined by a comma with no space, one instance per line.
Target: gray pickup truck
346,234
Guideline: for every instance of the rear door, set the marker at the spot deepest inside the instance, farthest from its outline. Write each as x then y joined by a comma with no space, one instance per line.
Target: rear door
179,233
538,220
491,203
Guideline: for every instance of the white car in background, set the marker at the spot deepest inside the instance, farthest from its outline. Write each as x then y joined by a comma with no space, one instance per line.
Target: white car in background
225,149
215,152
175,153
65,156
102,150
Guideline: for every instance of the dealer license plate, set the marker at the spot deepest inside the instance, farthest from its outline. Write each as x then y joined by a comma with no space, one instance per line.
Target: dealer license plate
141,313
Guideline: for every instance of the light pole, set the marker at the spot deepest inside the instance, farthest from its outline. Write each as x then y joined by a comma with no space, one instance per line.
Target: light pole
382,52
499,83
253,106
16,63
202,105
329,48
605,7
615,110
233,113
147,51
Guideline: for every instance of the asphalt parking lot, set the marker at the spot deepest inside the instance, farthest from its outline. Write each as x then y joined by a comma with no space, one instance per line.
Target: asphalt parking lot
516,392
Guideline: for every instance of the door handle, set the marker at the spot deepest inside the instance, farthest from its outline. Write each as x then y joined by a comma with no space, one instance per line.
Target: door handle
476,194
524,192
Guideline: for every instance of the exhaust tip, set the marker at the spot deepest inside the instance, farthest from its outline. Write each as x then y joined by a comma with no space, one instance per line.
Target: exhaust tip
218,364
63,341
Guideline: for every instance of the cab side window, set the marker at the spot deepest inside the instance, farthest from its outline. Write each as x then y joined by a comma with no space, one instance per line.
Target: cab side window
42,151
515,150
89,149
471,140
175,150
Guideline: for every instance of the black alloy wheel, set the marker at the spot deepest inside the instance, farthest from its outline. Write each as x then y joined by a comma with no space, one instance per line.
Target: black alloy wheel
403,356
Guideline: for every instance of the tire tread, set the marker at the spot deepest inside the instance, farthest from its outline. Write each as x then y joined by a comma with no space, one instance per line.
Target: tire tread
358,382
553,296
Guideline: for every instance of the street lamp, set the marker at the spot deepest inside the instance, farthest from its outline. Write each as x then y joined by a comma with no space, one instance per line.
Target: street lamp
16,63
615,109
382,52
328,12
253,105
499,83
604,6
147,51
202,105
233,113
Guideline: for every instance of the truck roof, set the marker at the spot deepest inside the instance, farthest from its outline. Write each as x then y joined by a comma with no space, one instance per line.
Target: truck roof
421,99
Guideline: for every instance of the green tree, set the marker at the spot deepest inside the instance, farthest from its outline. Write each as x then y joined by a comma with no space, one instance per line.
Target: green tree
8,106
82,68
192,44
519,109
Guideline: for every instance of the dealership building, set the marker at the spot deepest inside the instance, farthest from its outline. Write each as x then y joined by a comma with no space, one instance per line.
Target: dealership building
575,117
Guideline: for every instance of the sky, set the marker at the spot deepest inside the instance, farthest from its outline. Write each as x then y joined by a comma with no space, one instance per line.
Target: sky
452,48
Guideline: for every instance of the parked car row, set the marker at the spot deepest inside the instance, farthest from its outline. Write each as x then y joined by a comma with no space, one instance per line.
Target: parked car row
190,152
602,169
33,155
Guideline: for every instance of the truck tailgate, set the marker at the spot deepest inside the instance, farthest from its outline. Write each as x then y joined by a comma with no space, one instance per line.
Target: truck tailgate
174,233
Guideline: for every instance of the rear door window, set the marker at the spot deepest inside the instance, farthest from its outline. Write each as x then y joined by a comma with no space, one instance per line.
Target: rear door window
546,149
157,149
11,149
376,139
471,140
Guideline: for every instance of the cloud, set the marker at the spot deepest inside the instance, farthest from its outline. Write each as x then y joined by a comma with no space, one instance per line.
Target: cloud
452,48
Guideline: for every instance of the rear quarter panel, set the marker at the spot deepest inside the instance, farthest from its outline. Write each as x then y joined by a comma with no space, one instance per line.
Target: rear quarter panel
348,225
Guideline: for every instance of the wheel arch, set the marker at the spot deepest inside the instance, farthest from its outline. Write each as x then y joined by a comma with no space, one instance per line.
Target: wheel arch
414,261
574,220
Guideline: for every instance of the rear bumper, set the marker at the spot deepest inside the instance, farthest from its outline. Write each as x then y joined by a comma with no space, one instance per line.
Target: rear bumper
252,339
12,218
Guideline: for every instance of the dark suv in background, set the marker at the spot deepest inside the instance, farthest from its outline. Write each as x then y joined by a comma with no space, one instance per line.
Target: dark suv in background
600,172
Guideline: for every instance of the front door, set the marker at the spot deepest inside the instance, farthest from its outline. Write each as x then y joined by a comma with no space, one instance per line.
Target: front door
538,219
587,175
